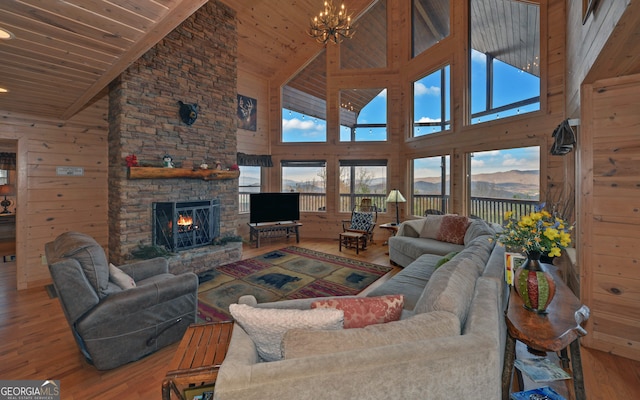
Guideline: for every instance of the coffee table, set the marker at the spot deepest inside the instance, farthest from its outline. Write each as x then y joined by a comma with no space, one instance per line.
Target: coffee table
198,358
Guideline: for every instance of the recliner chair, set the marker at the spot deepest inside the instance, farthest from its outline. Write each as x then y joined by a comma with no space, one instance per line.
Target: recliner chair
111,325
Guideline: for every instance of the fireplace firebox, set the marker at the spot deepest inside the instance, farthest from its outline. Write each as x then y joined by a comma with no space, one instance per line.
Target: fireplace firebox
184,225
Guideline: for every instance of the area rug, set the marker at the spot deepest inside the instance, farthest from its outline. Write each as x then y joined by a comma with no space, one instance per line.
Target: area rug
289,273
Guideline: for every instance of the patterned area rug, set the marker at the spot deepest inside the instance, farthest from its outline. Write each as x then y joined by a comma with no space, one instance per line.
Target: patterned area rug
289,273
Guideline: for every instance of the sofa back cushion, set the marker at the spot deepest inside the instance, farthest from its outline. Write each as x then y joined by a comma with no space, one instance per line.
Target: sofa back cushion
449,228
450,288
89,254
299,343
477,227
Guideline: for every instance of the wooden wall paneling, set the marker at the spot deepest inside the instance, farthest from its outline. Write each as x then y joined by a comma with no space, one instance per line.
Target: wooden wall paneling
610,216
47,204
257,142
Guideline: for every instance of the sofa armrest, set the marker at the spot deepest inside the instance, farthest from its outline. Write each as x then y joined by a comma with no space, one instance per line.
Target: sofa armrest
144,269
411,228
135,300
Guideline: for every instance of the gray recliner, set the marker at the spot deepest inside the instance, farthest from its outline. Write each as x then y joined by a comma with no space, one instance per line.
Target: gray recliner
111,325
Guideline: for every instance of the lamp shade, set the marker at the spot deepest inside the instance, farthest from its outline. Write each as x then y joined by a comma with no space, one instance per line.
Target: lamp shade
396,197
6,190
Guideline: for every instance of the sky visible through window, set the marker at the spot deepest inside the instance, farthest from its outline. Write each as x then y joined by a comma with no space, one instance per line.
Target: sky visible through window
303,128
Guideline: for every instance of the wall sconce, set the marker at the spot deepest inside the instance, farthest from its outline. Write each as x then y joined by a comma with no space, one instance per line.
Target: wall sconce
6,190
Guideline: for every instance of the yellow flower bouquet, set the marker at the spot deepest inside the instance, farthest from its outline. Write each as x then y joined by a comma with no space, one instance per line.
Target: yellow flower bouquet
538,231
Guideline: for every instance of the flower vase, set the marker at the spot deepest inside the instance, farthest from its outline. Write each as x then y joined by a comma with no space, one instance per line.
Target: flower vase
534,285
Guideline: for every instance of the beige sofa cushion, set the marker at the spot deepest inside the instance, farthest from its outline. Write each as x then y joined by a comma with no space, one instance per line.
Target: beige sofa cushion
267,326
298,343
450,289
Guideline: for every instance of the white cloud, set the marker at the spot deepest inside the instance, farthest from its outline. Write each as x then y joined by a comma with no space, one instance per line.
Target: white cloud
304,128
420,89
427,119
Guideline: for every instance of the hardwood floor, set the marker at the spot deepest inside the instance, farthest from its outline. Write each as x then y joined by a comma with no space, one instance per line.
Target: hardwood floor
36,343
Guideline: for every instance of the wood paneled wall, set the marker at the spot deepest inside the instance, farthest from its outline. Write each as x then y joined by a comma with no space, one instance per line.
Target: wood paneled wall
609,222
585,42
525,130
49,204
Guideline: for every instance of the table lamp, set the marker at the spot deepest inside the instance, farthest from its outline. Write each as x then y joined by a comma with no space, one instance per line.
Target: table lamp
396,197
6,190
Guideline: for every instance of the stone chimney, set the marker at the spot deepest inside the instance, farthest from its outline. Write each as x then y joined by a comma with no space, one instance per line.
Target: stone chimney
194,64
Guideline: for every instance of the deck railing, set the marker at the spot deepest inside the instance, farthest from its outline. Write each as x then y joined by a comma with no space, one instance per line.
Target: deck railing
489,209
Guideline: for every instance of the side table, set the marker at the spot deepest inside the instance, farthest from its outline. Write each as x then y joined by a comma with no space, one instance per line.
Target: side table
197,360
392,228
552,332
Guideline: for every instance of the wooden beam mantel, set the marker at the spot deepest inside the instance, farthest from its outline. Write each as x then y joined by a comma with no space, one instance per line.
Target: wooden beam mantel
173,173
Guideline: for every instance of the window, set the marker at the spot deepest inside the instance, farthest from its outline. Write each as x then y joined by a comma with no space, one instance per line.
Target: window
363,115
431,100
309,178
502,62
4,176
357,53
429,24
504,180
430,185
249,182
300,127
304,105
362,179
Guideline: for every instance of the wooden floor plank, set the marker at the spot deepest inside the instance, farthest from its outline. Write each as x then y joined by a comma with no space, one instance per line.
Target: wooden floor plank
36,343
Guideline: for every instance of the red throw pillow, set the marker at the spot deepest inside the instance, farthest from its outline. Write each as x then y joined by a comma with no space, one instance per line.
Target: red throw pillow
453,228
362,311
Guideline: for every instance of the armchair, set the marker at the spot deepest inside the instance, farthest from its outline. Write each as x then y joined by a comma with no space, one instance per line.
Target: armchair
363,220
113,326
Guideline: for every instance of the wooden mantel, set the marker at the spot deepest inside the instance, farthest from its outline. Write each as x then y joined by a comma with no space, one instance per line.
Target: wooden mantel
173,173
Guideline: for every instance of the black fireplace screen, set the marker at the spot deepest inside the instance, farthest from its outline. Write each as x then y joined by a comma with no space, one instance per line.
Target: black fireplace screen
185,225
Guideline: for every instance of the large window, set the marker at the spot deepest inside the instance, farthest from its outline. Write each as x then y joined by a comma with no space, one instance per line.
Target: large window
249,182
430,185
505,59
431,100
309,179
300,127
504,180
429,23
363,115
361,179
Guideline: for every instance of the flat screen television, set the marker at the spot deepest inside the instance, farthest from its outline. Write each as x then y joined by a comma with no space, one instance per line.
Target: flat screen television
274,207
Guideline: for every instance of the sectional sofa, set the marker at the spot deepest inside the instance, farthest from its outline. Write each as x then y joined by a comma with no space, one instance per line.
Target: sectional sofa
447,344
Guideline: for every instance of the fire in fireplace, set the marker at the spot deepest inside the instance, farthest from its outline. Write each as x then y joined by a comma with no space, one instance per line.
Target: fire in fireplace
185,225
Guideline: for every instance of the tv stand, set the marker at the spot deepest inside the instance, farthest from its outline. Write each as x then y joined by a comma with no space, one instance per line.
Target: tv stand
273,230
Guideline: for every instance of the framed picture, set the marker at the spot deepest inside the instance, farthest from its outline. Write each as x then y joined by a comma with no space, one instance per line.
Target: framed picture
247,112
512,261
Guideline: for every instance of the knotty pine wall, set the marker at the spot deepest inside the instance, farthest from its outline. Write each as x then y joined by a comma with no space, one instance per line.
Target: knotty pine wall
48,204
525,130
610,214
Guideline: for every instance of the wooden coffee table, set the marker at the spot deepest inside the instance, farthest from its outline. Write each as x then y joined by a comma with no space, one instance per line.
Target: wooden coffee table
197,361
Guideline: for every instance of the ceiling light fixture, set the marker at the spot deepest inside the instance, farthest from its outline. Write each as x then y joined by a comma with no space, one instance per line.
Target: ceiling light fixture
3,90
331,24
5,34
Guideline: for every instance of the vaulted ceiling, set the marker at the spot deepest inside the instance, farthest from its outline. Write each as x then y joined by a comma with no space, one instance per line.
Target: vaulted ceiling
65,52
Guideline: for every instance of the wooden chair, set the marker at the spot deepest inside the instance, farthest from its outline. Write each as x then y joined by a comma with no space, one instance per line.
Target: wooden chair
363,220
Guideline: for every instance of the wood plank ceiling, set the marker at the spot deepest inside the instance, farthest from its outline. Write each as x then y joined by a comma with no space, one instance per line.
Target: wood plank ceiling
65,52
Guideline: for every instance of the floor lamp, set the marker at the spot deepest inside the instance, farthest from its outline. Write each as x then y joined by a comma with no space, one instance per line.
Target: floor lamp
396,197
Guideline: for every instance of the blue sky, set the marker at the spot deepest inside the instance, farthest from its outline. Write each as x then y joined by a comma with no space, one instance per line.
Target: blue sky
427,92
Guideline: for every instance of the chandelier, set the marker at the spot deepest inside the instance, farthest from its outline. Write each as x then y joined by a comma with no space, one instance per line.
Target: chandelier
331,24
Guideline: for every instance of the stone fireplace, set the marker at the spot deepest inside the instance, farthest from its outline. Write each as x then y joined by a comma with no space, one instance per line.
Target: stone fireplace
194,64
179,226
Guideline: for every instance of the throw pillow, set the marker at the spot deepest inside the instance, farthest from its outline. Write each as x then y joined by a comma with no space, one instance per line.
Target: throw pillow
267,326
362,311
445,259
361,221
431,226
453,229
117,276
